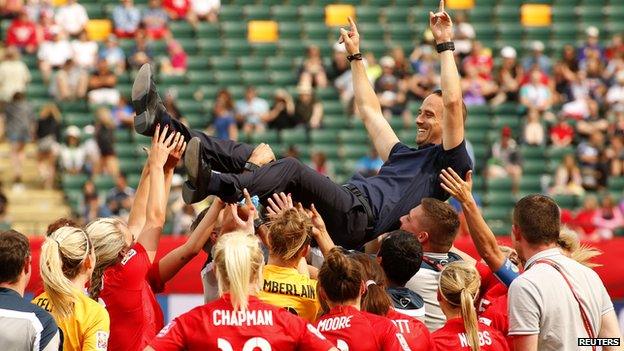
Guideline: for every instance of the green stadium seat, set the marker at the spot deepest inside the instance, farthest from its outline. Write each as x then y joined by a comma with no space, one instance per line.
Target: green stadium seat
312,14
332,107
353,137
231,13
250,63
497,213
292,48
94,10
537,33
181,29
330,150
509,32
37,91
500,227
336,122
200,78
367,14
270,137
481,14
499,184
189,106
233,30
130,165
293,137
399,31
77,119
255,77
533,152
290,30
283,78
323,137
563,13
531,184
284,13
354,151
237,47
73,182
315,31
567,201
223,63
508,14
210,46
555,155
208,30
396,15
125,149
616,184
264,50
103,182
257,12
499,199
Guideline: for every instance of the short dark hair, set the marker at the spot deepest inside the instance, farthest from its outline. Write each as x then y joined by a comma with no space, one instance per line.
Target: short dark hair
441,222
438,92
14,251
59,223
539,219
401,255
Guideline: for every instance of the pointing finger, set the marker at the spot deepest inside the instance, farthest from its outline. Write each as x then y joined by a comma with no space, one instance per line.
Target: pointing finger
441,6
353,26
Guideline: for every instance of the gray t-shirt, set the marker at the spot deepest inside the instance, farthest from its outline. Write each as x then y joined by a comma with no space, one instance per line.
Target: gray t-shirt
540,302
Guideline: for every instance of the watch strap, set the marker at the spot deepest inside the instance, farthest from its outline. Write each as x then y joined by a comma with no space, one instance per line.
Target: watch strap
448,45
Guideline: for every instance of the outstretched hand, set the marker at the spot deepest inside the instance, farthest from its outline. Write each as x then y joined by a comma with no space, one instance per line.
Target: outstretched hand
456,186
279,204
162,146
176,154
441,25
351,38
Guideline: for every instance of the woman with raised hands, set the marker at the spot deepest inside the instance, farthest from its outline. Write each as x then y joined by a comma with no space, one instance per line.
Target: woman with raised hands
238,320
342,284
287,283
459,286
66,262
125,275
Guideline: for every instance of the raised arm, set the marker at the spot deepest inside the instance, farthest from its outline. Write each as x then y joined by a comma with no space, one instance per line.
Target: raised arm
136,219
453,117
366,101
481,234
175,260
162,146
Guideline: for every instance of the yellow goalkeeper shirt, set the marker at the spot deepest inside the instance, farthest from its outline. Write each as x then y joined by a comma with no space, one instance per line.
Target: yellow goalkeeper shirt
86,329
289,289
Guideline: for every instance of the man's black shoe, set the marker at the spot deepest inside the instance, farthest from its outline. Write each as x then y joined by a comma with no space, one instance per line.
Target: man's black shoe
198,172
145,101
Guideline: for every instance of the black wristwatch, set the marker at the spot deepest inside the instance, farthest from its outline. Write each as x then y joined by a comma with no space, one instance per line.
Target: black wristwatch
251,166
357,56
258,222
449,45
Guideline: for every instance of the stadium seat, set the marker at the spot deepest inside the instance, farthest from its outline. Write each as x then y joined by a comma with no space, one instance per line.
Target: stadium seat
262,31
73,182
293,137
284,13
231,13
257,12
323,137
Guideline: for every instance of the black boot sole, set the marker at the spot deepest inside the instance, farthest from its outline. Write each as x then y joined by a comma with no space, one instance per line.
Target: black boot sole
191,191
144,121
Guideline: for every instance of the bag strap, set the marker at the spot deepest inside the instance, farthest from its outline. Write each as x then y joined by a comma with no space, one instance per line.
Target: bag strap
586,321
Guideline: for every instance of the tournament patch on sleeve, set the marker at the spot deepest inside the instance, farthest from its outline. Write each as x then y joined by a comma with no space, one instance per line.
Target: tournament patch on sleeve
101,340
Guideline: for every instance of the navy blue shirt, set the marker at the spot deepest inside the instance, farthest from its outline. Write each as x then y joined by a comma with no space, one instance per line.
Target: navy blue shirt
408,176
25,326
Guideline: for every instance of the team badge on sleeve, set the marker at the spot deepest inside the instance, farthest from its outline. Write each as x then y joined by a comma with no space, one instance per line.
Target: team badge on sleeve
166,329
315,332
101,340
128,256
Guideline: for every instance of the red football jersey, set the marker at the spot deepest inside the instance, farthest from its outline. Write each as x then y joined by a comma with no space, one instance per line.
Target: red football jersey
262,327
353,330
134,312
414,331
452,336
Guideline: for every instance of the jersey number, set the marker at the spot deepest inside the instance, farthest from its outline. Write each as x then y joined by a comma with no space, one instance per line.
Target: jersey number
342,345
250,345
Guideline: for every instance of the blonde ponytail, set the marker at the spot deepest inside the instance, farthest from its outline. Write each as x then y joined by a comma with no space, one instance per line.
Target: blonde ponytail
239,261
107,235
62,256
582,253
459,285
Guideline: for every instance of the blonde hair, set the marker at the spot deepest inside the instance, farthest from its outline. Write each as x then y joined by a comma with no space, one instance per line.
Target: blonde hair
62,256
239,262
108,242
459,286
289,233
581,253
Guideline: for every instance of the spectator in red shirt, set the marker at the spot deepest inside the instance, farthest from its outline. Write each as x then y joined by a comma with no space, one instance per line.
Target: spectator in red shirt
582,222
177,9
22,33
480,60
562,133
176,63
459,285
